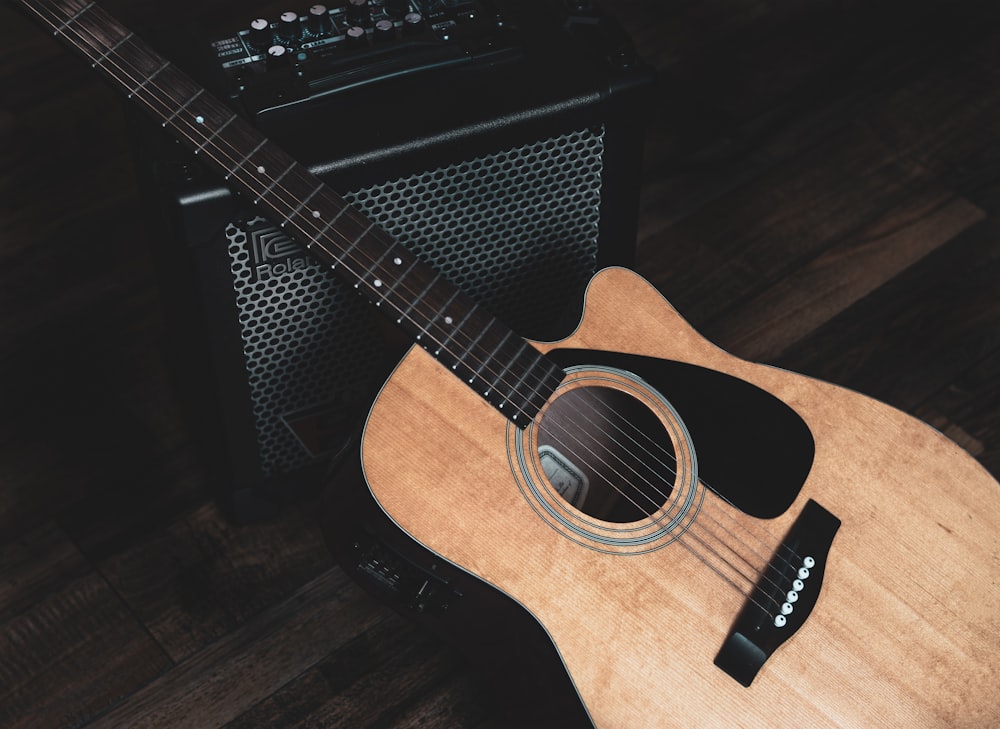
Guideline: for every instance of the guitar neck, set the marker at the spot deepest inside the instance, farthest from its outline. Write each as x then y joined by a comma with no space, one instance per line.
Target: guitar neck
504,368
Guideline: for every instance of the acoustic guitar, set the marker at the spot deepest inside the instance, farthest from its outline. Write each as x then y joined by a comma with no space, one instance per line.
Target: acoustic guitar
691,539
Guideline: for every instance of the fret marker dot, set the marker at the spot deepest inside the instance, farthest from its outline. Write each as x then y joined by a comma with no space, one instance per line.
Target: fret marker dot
315,213
377,282
200,119
449,320
398,261
261,169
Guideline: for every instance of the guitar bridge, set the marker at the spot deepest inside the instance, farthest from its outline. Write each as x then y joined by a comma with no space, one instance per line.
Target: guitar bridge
783,597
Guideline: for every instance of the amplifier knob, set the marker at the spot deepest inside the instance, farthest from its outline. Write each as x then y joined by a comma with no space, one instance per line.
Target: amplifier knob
319,20
278,57
384,30
355,35
358,12
260,33
413,22
289,26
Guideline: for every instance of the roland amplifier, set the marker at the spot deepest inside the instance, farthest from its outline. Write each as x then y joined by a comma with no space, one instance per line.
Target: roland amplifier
500,141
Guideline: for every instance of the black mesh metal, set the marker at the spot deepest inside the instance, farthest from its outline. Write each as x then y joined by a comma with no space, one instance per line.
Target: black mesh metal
517,230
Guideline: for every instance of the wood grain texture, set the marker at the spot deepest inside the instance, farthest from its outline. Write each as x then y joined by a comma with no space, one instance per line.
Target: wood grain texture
906,630
785,140
249,664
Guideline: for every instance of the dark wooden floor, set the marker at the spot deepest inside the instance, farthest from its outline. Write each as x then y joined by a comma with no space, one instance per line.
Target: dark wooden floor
821,192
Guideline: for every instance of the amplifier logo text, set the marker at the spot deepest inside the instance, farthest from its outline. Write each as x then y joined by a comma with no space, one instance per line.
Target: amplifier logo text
275,254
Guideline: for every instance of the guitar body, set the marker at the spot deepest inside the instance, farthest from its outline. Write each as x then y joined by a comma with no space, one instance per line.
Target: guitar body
631,613
770,551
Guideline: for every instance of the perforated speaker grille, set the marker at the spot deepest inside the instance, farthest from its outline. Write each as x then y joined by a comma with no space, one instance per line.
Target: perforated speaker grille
516,230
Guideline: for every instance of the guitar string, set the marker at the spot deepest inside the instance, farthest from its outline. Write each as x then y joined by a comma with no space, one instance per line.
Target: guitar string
696,527
97,62
705,512
779,558
660,454
194,132
106,55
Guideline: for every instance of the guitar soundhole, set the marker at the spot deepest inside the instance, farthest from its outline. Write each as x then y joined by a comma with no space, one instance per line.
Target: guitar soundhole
607,454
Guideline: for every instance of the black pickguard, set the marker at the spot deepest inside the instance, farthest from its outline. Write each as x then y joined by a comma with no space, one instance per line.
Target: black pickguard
752,448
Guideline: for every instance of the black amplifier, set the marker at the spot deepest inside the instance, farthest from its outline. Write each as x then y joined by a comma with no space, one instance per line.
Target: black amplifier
501,141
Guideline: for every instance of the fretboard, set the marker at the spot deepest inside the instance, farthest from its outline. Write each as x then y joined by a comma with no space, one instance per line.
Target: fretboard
501,366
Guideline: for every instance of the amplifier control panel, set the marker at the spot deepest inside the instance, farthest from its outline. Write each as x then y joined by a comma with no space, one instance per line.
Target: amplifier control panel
273,62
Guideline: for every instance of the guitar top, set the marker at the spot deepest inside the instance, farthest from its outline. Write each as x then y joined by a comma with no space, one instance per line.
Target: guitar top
658,619
703,541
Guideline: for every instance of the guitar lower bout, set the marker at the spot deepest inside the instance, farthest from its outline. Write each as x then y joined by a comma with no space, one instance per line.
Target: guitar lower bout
610,465
662,602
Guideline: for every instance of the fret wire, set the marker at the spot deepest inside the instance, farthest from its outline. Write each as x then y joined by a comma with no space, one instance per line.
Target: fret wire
457,328
354,243
475,343
543,370
413,262
151,102
329,224
442,310
76,15
137,89
509,366
249,154
183,106
302,204
379,281
550,384
489,357
418,297
274,182
514,398
112,49
537,368
216,133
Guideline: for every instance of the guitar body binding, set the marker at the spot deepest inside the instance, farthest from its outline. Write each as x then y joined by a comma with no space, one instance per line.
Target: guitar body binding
441,481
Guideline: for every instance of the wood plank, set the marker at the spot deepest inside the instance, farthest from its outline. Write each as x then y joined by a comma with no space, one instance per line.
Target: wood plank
733,105
71,647
457,704
368,682
201,578
881,345
968,411
93,436
241,669
787,141
767,324
733,248
947,119
42,561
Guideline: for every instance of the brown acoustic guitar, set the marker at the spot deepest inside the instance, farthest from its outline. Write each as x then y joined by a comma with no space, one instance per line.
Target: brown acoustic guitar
671,536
